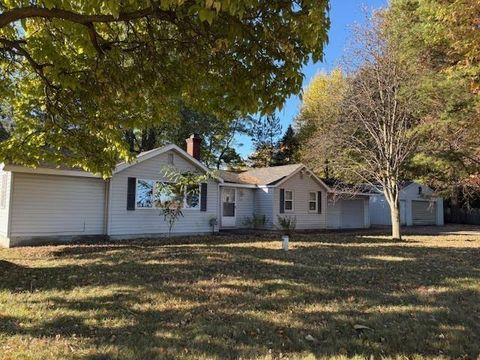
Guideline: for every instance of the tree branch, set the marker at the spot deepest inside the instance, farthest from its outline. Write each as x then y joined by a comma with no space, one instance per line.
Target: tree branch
13,15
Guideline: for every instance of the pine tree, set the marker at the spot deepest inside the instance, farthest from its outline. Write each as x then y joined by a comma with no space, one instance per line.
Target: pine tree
265,133
288,148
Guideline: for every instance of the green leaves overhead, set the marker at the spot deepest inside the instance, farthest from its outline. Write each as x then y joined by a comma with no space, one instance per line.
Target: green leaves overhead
76,74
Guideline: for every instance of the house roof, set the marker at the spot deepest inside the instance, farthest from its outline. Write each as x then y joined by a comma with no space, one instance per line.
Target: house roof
154,152
53,169
261,176
343,187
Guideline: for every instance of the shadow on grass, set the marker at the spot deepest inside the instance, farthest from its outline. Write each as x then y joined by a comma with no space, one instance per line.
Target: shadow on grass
230,299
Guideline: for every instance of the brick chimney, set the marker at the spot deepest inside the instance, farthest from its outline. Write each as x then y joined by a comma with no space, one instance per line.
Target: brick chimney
193,146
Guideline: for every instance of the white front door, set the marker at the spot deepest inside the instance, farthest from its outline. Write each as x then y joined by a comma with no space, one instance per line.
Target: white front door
228,207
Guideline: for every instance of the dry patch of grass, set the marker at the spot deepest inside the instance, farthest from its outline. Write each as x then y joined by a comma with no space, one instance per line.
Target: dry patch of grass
242,297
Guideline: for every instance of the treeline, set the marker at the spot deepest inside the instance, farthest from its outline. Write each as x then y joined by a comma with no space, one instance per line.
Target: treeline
404,104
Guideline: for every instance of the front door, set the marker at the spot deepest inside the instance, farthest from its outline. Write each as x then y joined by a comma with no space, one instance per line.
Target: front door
228,207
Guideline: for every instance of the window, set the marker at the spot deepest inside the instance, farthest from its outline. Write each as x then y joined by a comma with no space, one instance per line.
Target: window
312,201
166,195
157,194
288,200
192,197
419,190
145,193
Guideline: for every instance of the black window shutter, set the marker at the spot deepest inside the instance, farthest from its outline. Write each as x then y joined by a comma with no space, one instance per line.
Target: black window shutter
282,201
319,202
131,189
203,197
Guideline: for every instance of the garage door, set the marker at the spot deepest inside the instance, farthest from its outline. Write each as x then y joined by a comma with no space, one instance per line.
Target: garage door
424,213
353,214
47,205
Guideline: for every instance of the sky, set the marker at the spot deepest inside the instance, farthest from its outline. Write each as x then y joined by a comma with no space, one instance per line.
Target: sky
343,14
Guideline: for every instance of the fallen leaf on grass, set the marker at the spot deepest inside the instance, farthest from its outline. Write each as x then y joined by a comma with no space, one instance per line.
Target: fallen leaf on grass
361,327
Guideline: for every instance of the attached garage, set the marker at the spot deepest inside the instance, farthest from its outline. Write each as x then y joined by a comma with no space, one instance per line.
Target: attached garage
424,212
54,206
353,214
348,212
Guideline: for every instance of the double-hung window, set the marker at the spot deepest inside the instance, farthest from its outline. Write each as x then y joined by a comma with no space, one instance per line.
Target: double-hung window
312,201
153,194
192,197
288,202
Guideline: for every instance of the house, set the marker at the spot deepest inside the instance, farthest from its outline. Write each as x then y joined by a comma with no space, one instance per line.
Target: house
289,190
418,206
60,204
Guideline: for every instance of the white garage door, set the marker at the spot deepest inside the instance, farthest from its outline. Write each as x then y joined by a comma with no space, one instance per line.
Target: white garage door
424,213
353,214
46,205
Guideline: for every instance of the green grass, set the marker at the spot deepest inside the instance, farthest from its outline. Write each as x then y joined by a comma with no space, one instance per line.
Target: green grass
242,297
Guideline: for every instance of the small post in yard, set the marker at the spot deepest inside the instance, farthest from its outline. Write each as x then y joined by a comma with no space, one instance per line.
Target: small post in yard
285,239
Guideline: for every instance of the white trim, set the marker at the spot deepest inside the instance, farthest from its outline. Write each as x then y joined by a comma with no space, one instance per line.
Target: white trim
10,206
234,210
3,189
248,186
292,210
48,171
106,205
310,201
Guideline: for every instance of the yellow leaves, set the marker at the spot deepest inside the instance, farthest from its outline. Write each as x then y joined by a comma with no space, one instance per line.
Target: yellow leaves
206,15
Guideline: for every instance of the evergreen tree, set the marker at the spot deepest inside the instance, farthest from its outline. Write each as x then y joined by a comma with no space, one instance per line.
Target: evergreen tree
265,133
288,148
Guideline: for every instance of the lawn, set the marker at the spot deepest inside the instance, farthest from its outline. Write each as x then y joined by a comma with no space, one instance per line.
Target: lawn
240,296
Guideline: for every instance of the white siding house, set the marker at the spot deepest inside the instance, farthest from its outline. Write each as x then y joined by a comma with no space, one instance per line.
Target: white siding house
53,204
47,205
306,190
294,191
418,206
144,222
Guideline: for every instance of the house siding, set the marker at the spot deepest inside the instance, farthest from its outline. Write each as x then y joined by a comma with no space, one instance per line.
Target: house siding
244,206
264,204
301,186
334,212
52,205
144,222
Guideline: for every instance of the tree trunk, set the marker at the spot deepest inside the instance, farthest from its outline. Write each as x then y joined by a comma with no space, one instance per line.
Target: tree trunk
395,215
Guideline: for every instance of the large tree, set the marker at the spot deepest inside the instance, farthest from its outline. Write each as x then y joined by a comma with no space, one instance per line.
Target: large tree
440,40
79,73
370,134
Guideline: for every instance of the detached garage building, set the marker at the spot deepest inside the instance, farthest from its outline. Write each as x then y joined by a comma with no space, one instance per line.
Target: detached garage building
418,206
